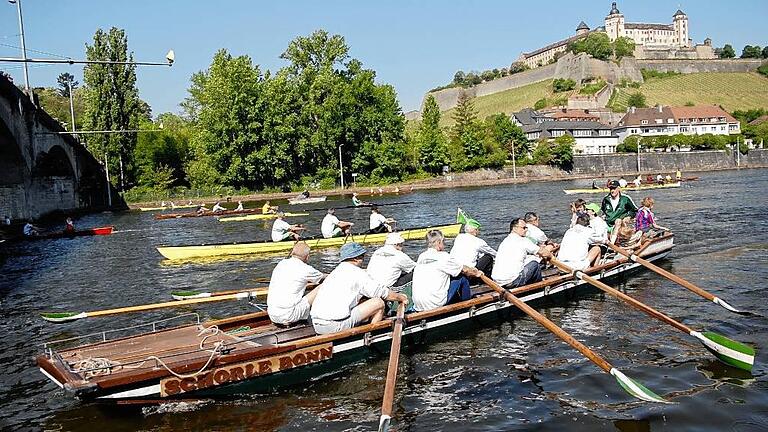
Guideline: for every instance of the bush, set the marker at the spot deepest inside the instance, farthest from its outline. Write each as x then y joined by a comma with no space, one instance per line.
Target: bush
649,73
636,100
591,89
763,70
540,104
563,84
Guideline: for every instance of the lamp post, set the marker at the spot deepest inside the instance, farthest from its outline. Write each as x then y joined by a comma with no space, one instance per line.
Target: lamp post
341,168
23,44
638,157
71,104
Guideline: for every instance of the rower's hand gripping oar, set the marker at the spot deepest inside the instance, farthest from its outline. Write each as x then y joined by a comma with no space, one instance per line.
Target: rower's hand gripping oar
677,279
628,384
61,317
726,350
394,357
193,294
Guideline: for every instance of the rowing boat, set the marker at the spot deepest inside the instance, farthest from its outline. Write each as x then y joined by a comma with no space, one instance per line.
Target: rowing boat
310,200
183,206
105,230
224,249
248,353
629,188
258,217
161,216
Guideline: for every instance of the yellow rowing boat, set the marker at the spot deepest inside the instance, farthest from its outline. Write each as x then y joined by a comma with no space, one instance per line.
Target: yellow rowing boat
257,217
216,250
630,188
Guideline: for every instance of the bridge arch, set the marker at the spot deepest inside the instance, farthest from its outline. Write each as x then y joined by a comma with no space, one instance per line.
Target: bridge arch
11,160
53,163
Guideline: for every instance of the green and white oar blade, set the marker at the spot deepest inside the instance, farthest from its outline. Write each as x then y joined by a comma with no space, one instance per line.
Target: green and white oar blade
636,389
384,422
188,294
727,350
61,317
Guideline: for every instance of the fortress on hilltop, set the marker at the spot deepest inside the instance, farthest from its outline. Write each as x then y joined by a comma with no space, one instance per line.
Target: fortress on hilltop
652,41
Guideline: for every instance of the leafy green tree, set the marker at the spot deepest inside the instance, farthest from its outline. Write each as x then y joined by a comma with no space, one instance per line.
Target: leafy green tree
507,135
636,100
112,103
57,106
164,152
750,51
765,52
432,144
727,52
467,133
540,104
597,44
517,67
623,47
629,145
65,81
563,84
562,151
459,77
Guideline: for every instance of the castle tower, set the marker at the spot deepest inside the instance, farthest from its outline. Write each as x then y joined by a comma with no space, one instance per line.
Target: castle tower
614,23
680,24
582,29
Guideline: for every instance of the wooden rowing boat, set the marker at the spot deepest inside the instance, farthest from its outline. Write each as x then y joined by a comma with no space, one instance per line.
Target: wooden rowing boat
258,217
630,188
249,353
182,206
310,200
218,250
161,216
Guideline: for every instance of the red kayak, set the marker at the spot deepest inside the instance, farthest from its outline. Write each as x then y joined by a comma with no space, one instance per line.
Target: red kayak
105,230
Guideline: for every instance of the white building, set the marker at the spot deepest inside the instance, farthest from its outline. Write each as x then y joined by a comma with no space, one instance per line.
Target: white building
591,137
664,120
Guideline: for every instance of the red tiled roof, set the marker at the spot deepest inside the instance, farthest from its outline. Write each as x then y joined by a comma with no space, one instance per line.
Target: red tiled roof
759,120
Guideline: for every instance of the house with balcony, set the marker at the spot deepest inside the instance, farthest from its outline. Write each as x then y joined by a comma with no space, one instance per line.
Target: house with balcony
591,137
665,120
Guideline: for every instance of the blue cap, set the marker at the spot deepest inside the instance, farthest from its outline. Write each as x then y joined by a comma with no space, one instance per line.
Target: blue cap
351,250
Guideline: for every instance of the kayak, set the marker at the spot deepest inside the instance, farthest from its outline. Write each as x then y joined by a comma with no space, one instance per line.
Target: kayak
630,188
161,216
309,200
251,217
184,206
105,230
225,249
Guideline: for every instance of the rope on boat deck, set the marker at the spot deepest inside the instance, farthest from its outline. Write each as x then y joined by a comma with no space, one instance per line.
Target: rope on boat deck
96,366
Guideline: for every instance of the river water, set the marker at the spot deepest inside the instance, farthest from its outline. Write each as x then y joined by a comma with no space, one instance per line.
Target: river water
511,376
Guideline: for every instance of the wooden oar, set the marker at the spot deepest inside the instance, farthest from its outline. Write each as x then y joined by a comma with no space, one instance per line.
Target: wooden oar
628,384
726,350
677,279
60,317
191,294
394,357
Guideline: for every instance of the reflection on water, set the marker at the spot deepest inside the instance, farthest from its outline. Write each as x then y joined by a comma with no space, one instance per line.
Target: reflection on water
508,376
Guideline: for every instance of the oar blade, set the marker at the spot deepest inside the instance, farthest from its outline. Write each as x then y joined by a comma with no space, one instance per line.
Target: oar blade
62,317
189,294
727,350
636,389
725,304
384,422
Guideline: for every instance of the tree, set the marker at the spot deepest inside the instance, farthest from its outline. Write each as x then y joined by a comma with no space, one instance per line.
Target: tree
57,106
65,81
636,100
750,51
727,52
563,84
629,145
467,133
517,67
507,134
431,140
623,47
458,78
165,152
112,102
765,52
597,44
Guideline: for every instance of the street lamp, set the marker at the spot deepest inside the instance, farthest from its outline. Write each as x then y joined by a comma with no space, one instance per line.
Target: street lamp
638,157
23,45
341,168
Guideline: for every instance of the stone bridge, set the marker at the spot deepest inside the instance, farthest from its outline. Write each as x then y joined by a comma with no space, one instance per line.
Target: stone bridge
42,172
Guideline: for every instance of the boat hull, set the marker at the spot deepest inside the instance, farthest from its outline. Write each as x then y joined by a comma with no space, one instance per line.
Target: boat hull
625,189
252,217
309,200
206,251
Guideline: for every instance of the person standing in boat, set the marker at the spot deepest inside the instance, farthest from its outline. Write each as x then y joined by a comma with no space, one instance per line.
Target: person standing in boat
515,265
470,250
389,265
268,209
282,230
579,248
337,304
218,207
286,302
379,223
645,220
438,278
616,206
239,206
332,226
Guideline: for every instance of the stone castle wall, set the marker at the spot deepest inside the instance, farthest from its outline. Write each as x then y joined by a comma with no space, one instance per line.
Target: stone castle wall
654,163
698,66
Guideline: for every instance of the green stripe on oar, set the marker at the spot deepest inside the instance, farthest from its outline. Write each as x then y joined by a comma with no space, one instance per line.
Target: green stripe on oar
727,350
636,389
60,317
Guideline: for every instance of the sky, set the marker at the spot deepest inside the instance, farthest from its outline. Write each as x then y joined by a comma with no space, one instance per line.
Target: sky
412,45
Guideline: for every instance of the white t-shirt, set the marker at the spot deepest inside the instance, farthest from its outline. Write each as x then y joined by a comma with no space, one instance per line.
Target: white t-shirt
622,183
28,230
432,278
600,228
511,258
536,235
574,248
279,228
342,290
468,248
388,263
287,285
328,225
377,219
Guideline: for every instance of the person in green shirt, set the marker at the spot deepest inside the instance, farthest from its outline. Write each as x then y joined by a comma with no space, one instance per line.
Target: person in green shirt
616,206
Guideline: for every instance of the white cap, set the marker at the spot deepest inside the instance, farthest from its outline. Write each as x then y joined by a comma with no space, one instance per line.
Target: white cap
394,239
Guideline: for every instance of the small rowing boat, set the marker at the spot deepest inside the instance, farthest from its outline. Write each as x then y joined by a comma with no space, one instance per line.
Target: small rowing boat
183,206
248,353
260,216
310,200
161,216
218,250
105,230
630,188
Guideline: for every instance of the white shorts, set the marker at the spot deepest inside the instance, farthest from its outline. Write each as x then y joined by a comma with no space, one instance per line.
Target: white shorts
291,315
325,326
577,265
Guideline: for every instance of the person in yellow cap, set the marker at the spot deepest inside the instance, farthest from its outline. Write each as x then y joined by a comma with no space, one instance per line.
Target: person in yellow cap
472,251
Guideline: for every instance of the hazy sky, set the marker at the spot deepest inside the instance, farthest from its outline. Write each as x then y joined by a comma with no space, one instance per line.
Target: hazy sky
413,45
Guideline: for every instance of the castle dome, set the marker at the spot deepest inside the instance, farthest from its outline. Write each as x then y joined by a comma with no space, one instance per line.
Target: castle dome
582,26
614,9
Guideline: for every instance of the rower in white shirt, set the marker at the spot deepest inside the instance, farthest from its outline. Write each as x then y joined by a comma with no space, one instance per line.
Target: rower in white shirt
579,249
472,251
535,234
282,230
286,301
239,206
332,226
438,279
218,208
389,265
596,222
514,267
337,305
379,222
